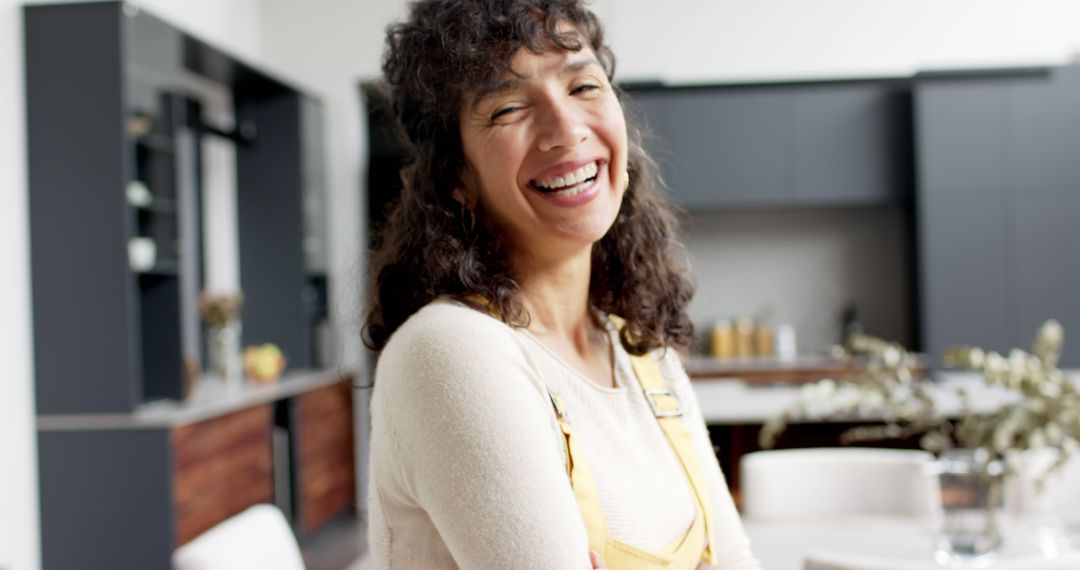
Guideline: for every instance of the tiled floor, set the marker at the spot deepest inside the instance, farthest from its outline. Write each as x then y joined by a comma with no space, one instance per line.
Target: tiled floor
337,546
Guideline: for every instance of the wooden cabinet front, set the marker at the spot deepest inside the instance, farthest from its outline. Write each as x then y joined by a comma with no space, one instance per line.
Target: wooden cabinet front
326,484
221,467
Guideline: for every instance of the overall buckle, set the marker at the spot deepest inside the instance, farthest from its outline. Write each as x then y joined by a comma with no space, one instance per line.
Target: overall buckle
661,400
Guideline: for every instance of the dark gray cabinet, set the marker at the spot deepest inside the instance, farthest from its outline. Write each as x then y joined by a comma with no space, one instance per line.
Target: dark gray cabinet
88,303
270,216
725,148
1045,270
965,280
849,143
961,130
839,143
998,197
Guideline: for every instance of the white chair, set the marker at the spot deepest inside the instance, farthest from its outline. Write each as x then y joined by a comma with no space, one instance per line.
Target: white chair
1060,495
256,539
807,483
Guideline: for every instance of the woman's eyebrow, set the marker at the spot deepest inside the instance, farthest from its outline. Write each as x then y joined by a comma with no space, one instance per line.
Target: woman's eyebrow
511,83
576,65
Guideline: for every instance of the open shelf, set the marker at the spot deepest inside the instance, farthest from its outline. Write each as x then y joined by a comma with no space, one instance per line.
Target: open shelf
163,268
155,142
159,206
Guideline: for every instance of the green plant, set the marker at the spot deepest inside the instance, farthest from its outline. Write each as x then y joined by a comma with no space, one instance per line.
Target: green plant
219,309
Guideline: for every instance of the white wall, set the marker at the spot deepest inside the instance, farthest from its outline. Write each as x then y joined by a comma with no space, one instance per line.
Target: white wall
19,548
729,40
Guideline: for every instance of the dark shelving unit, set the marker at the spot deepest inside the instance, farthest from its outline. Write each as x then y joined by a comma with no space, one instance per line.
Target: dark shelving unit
116,131
109,108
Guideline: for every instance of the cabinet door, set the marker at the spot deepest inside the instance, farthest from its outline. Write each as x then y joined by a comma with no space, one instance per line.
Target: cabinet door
726,147
325,456
1044,161
1045,269
847,144
221,466
1044,143
999,196
270,216
965,277
84,319
961,138
961,151
105,498
781,145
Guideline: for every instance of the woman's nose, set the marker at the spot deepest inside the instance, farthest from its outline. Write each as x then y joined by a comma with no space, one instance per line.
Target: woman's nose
561,126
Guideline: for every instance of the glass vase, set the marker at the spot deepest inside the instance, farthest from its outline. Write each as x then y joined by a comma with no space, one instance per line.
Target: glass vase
967,515
223,351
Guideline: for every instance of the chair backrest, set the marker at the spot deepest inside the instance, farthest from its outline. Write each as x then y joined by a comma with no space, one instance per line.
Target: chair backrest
803,483
259,537
1060,495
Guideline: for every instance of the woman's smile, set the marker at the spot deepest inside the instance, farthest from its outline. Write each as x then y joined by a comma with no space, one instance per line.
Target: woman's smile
570,188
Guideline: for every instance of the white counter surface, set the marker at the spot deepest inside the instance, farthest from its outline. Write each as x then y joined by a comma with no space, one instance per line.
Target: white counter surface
726,402
210,400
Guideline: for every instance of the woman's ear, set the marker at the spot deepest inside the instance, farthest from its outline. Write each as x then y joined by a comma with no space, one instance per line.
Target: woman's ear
467,192
463,197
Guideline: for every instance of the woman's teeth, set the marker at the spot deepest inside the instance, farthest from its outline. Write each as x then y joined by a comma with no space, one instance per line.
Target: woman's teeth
571,191
570,183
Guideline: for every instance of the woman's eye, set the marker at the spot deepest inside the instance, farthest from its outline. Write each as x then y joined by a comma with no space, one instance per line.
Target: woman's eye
504,112
584,88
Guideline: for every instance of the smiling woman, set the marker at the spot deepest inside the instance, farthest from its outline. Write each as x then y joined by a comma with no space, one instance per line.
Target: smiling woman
530,273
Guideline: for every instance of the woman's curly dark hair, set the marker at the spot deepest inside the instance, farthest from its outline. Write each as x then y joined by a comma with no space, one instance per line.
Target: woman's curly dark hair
446,52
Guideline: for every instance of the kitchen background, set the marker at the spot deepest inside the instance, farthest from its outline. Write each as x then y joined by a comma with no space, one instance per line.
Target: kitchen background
802,266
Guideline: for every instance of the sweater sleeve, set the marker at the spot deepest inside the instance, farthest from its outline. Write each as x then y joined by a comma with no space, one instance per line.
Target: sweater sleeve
732,544
474,444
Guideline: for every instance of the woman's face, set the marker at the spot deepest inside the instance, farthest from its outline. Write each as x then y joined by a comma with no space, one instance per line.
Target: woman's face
545,153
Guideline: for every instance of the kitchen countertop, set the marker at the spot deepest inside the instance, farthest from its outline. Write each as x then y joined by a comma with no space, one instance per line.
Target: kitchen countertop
802,368
737,402
210,400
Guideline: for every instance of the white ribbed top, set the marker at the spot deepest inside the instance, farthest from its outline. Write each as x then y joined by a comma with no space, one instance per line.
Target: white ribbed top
467,463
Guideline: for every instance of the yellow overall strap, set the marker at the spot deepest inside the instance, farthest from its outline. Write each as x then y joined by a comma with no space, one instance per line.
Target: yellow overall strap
581,479
668,410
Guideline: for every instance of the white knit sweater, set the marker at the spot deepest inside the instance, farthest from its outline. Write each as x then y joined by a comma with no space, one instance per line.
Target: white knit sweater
467,464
